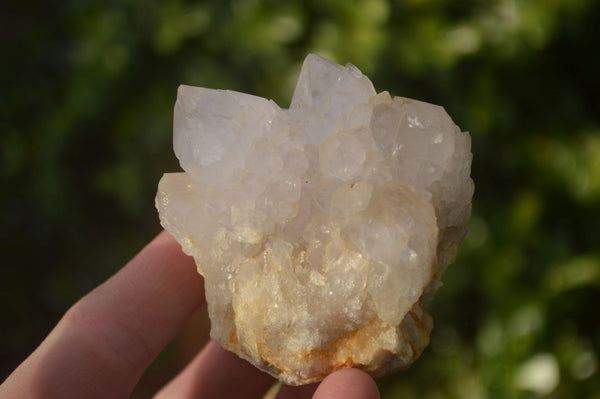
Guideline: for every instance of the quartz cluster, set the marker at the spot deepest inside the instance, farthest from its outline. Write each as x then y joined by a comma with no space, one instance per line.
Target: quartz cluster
321,230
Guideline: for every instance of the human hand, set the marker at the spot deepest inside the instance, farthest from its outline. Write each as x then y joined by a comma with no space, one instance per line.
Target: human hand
103,344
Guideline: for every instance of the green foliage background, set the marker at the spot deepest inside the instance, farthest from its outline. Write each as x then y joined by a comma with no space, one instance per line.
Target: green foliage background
86,96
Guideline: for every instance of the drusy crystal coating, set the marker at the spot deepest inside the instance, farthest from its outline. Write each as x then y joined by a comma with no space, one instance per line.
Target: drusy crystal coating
322,230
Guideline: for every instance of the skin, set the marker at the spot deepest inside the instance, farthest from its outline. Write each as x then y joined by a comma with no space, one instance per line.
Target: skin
103,344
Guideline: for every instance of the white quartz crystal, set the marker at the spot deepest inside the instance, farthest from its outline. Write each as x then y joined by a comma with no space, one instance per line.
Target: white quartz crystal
321,230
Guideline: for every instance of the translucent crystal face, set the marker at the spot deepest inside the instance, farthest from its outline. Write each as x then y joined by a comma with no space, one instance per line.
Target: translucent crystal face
322,229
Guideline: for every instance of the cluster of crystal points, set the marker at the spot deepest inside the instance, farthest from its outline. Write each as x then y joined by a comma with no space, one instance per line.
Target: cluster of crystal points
321,230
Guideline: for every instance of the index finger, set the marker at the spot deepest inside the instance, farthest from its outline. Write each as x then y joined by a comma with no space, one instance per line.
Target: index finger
102,345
